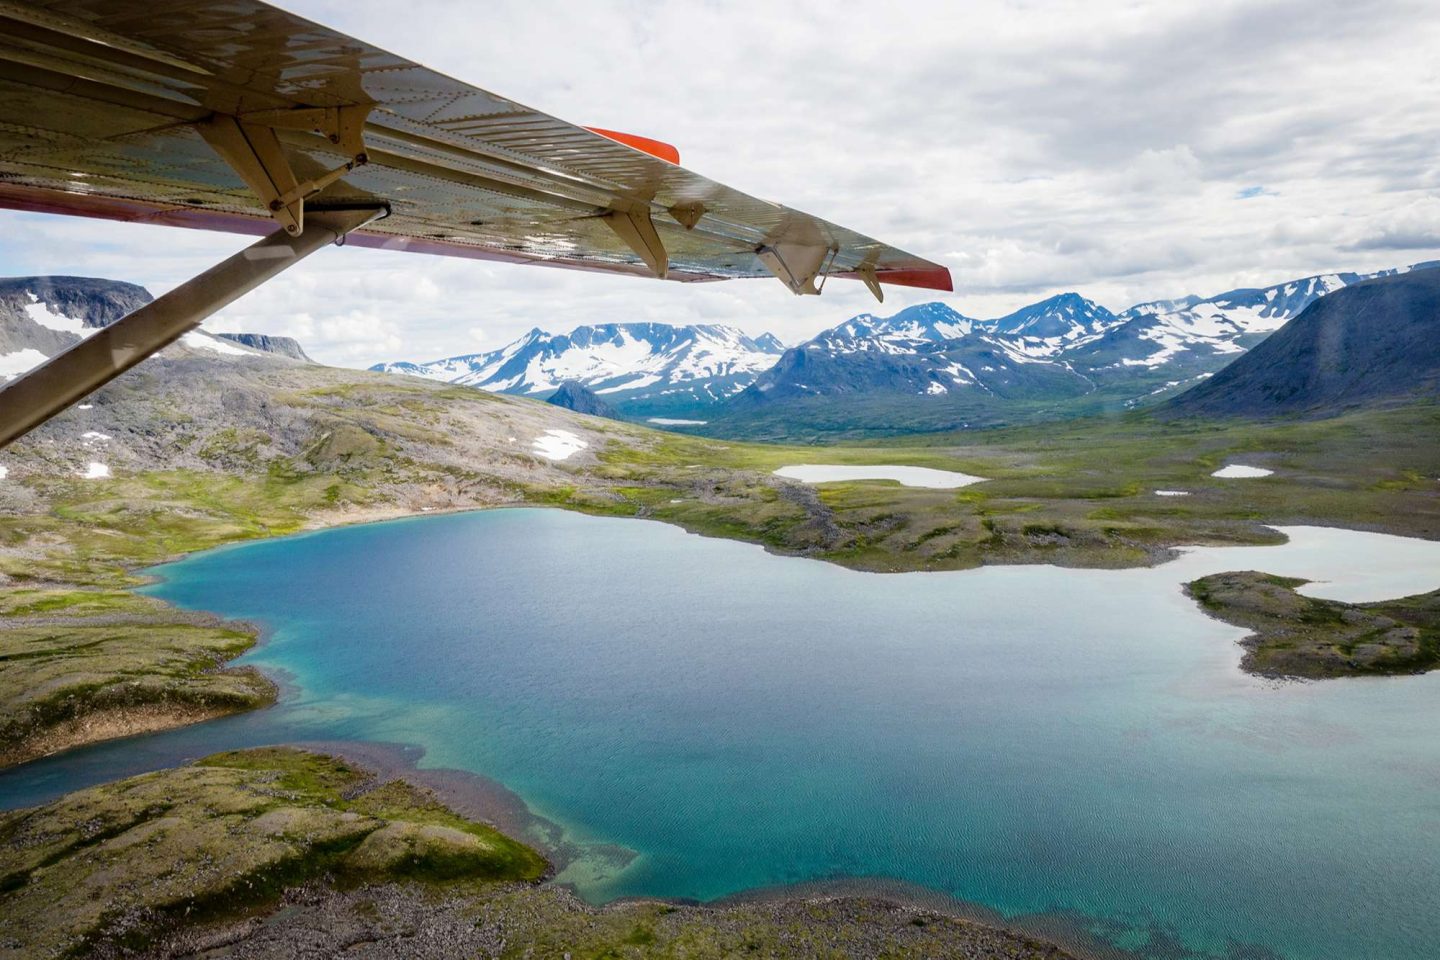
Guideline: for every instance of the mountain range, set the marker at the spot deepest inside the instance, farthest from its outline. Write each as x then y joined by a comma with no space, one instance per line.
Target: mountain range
927,367
1291,347
641,369
931,368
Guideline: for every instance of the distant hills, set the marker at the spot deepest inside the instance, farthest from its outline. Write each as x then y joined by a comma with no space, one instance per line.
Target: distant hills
1372,342
641,369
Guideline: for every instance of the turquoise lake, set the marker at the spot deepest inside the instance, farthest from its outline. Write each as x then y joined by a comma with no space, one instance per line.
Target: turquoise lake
1059,746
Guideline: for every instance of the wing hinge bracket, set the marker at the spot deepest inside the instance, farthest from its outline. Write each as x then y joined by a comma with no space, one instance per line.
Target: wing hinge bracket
796,264
250,145
635,227
871,280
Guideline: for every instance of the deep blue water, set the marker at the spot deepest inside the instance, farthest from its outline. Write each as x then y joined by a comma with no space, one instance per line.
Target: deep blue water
1035,740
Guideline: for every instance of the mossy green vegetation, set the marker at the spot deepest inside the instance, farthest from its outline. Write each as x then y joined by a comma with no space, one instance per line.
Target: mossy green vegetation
122,864
78,666
1081,493
1298,636
837,928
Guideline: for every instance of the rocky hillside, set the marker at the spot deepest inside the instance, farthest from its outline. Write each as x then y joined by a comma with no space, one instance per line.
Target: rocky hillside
284,346
1371,343
211,404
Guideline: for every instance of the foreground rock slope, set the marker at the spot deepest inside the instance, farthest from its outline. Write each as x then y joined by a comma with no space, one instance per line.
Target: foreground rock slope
288,854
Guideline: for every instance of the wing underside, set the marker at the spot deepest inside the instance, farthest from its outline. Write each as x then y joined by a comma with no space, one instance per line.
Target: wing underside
234,115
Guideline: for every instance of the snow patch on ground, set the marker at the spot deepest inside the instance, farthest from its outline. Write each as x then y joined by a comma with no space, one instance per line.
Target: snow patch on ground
21,361
95,435
196,340
668,422
96,471
40,312
1172,493
558,444
905,476
1236,470
4,472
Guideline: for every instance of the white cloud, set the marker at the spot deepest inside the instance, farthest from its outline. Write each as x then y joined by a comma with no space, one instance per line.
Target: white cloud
1416,226
1035,147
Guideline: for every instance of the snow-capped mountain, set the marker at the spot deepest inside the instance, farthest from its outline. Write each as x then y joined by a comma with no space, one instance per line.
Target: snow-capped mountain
1065,317
924,323
925,367
640,368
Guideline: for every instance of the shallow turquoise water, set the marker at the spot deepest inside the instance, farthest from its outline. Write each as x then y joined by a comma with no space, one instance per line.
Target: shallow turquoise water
1035,740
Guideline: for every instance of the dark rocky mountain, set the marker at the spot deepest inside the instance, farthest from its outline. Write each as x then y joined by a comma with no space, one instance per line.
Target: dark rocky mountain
41,316
574,395
284,346
98,301
47,314
1370,343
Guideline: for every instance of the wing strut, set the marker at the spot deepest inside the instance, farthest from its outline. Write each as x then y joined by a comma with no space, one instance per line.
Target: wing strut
30,400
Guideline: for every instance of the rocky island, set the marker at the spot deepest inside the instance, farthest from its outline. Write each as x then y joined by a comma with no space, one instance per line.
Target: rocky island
1299,636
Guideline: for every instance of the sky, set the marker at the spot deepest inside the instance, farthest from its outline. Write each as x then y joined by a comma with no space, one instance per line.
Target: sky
1125,150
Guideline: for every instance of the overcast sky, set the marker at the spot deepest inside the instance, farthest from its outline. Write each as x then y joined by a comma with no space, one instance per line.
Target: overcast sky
1125,150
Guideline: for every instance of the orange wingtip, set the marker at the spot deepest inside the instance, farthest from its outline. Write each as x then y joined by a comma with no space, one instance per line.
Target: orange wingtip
644,144
932,278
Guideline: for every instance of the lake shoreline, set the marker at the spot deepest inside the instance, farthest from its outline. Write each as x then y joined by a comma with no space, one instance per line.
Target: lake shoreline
139,719
506,809
489,801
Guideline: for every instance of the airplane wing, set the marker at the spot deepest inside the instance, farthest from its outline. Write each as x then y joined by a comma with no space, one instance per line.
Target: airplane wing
235,115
